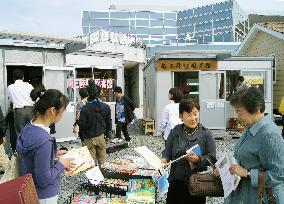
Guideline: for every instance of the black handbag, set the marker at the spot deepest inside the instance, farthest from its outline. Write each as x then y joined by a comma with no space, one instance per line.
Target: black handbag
205,184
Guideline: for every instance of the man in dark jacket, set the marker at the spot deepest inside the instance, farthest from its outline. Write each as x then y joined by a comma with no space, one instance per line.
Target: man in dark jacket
4,161
95,123
124,113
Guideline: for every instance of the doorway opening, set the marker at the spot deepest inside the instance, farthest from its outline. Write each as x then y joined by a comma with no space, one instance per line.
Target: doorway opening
188,82
32,74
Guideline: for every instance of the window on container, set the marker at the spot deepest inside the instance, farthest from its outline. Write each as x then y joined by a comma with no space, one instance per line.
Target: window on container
256,79
96,14
119,14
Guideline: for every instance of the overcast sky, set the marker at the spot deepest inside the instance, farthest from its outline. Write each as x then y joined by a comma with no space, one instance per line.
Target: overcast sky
63,17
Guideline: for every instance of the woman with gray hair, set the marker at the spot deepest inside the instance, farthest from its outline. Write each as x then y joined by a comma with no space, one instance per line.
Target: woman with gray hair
260,149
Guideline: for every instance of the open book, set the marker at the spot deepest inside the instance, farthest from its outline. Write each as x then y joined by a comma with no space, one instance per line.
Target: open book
83,160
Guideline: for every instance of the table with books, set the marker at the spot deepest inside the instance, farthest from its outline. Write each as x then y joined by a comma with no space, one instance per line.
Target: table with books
126,180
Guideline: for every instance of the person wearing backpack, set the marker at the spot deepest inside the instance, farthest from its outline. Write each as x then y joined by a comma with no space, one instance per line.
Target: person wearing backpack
281,111
95,123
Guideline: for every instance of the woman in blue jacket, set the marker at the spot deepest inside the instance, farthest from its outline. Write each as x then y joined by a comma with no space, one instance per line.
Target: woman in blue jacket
37,149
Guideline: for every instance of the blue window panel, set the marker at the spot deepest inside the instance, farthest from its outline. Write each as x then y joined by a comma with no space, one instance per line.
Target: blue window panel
146,42
142,14
143,36
86,14
223,6
200,40
223,30
221,15
154,23
99,22
132,23
85,22
170,23
93,29
153,42
228,37
202,10
141,30
170,16
171,37
132,14
170,30
218,38
154,15
119,14
142,23
226,22
190,29
85,30
97,14
119,22
156,31
207,39
121,29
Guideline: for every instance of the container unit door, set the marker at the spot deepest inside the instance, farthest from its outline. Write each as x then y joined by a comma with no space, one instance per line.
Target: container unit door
261,79
212,99
62,79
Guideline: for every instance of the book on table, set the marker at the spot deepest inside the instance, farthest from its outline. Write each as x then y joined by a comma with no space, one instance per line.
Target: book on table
82,159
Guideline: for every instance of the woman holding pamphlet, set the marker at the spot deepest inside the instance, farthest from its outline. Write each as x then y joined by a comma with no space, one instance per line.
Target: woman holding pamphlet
259,152
37,149
181,138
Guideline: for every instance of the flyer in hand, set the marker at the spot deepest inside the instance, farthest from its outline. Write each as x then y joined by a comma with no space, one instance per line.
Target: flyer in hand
83,160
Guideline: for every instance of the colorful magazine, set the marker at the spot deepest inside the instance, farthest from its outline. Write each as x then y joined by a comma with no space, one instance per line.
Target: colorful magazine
83,160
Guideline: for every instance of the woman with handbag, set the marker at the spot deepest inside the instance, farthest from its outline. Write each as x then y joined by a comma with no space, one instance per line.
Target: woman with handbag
181,138
37,149
259,152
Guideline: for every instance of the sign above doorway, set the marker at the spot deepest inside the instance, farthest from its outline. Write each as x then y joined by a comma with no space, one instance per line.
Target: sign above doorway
181,66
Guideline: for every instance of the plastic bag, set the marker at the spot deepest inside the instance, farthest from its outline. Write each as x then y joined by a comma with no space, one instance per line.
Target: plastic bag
13,170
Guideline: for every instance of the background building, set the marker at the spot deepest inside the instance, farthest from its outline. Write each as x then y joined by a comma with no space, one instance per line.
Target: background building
155,27
267,39
219,22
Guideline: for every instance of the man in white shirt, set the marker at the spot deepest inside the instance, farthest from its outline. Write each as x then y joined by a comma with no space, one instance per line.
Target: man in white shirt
19,95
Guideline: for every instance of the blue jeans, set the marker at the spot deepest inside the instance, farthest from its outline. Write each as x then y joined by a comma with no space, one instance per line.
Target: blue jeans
52,200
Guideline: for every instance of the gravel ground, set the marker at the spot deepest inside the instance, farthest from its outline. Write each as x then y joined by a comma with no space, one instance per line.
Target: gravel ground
154,143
